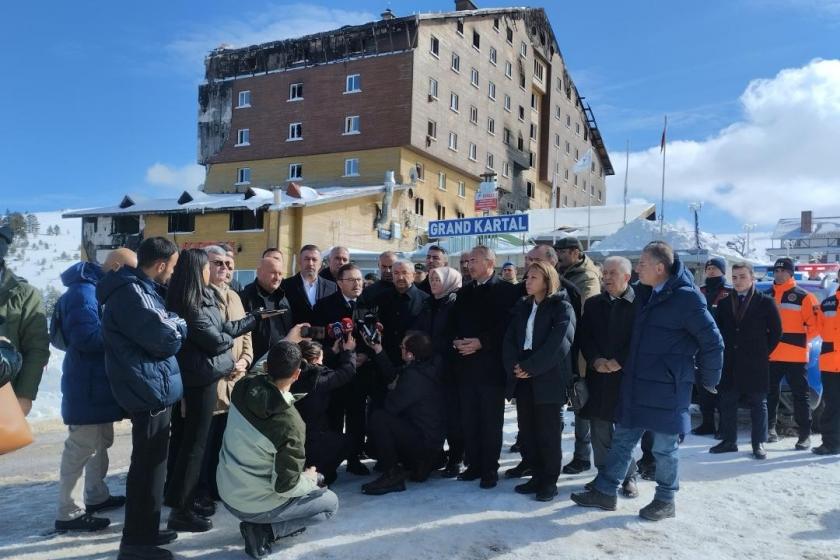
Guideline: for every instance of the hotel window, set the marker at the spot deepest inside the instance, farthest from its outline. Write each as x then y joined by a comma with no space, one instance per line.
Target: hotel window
351,125
441,181
433,88
420,171
353,83
456,63
246,220
474,77
295,131
244,99
522,81
243,137
506,136
473,114
496,24
295,171
523,49
476,40
434,46
507,103
492,56
295,92
558,113
506,169
491,125
473,153
351,167
534,101
453,141
431,129
178,223
459,27
529,189
522,113
490,161
556,140
491,90
243,176
509,35
533,131
453,101
441,212
539,71
462,189
418,206
508,69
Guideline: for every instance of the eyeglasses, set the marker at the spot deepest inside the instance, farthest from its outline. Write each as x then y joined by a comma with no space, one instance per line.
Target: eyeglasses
351,280
227,265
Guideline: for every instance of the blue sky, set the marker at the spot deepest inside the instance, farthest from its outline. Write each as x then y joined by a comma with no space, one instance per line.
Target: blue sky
100,97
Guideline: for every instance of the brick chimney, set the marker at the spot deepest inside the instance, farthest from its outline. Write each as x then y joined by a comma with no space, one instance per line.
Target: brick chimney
805,222
465,5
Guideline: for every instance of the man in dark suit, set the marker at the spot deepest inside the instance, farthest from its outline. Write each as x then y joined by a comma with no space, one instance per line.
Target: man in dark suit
347,404
478,322
305,288
435,258
751,327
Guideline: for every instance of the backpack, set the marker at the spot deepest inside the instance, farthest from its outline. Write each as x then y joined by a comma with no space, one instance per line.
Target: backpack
56,334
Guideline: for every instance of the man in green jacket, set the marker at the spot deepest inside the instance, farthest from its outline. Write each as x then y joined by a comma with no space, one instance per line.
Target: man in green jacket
261,478
25,326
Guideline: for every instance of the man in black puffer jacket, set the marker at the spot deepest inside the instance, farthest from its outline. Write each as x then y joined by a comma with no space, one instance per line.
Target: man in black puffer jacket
409,430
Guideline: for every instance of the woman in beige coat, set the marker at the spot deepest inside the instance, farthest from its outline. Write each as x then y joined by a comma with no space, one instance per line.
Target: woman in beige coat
221,271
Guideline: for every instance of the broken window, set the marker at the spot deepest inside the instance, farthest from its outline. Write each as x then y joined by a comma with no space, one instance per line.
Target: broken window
181,223
246,220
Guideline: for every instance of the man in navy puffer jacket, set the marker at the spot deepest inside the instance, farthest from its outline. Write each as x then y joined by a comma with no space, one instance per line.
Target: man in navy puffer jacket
87,405
141,339
675,341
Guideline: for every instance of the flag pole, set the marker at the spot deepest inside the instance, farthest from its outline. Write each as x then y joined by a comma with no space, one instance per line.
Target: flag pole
589,211
626,172
662,203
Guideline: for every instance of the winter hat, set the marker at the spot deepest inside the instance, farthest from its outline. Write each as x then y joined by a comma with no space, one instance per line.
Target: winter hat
785,264
507,264
717,262
568,243
6,236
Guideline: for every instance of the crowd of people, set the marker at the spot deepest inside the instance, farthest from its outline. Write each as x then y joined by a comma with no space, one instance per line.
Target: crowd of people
254,396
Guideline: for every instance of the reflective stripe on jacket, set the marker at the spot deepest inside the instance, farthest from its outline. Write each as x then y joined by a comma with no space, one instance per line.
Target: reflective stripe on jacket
798,309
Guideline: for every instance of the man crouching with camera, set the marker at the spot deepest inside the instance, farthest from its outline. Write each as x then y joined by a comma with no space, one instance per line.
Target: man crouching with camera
261,474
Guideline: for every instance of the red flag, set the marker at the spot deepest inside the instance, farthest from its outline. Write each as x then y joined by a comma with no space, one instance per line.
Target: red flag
662,142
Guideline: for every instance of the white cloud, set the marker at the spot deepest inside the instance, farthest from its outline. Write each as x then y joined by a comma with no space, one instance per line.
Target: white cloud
782,157
273,23
185,177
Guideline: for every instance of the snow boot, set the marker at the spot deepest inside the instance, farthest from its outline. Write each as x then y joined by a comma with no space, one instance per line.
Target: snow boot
658,510
258,538
758,451
529,487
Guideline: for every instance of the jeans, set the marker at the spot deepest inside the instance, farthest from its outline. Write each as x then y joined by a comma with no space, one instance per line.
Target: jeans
796,375
602,436
85,449
729,415
295,514
146,475
665,450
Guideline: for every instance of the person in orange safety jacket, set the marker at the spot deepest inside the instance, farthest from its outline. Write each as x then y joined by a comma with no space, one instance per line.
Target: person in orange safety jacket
828,325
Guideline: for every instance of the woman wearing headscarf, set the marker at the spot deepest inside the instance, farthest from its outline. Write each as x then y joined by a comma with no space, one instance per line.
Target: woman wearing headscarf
445,283
536,356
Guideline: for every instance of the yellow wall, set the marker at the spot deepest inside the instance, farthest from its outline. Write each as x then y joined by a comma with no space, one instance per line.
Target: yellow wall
318,170
429,191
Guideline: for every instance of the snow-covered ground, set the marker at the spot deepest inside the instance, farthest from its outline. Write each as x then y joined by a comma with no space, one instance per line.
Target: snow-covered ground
41,264
729,506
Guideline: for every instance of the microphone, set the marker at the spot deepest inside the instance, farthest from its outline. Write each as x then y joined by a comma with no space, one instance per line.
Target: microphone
336,330
347,326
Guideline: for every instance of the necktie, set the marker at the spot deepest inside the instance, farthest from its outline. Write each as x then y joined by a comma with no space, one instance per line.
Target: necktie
741,299
352,305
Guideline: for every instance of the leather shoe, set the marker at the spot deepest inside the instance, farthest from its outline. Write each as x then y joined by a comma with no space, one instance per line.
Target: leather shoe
355,466
529,487
825,450
546,493
724,447
704,430
489,480
519,471
143,552
593,498
113,502
186,521
165,536
758,451
469,475
576,466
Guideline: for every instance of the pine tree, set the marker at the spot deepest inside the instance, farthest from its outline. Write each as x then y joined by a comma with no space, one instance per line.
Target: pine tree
33,226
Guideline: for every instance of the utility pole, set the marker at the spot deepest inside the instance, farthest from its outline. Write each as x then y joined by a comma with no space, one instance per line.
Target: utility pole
748,228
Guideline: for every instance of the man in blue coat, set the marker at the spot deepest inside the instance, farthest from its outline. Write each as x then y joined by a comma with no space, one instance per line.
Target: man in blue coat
674,339
88,406
141,339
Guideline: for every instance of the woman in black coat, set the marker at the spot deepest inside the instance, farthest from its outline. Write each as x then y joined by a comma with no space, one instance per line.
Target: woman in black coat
536,357
751,327
434,320
204,358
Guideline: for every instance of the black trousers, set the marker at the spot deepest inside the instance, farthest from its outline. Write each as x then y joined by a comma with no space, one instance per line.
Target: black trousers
482,419
396,440
454,431
326,450
729,415
207,480
146,475
708,405
647,449
797,378
830,423
189,454
347,411
540,431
